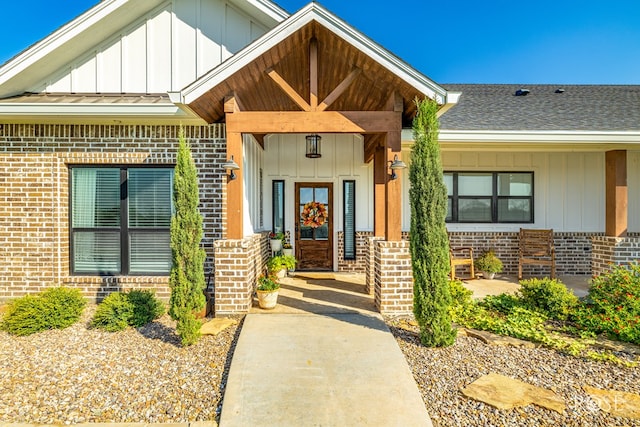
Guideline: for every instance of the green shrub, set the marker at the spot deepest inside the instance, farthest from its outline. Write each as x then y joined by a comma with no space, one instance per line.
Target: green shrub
55,308
503,303
120,310
64,306
612,306
548,296
25,316
489,262
146,307
114,313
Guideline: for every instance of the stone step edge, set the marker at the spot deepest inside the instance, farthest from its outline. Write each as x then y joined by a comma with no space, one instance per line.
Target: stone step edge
185,424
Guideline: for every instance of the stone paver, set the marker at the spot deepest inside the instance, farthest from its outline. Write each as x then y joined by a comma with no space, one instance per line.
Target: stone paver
507,393
617,403
215,326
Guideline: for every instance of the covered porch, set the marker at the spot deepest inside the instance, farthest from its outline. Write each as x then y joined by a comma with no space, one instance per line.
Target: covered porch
313,75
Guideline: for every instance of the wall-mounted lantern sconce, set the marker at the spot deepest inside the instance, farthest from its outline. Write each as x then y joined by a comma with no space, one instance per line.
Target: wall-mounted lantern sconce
313,146
232,166
396,164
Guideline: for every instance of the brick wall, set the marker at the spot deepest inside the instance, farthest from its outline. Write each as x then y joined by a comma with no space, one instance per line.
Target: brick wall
34,196
573,251
238,263
614,250
359,264
393,277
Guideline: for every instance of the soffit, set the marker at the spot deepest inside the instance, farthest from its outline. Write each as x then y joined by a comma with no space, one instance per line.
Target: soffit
256,91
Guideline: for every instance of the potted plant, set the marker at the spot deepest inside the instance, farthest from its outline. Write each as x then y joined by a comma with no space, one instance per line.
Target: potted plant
275,240
279,264
267,291
489,264
287,249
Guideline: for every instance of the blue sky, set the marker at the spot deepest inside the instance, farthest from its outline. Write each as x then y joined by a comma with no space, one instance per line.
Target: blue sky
451,41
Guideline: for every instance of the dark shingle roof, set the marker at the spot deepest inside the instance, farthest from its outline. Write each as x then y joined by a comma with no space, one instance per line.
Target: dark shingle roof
578,108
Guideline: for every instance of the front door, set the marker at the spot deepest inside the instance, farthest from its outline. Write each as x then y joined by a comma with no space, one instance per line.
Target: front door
314,226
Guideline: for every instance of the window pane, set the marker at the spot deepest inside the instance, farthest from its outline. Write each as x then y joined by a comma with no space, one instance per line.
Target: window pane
475,184
449,210
95,198
349,220
514,210
278,206
149,253
448,181
515,184
306,195
474,210
150,197
322,195
96,252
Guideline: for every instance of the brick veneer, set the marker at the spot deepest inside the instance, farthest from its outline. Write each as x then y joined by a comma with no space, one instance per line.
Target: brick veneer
34,184
573,251
238,263
393,277
614,250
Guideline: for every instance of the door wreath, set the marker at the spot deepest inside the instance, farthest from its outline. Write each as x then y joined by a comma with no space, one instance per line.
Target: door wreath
314,214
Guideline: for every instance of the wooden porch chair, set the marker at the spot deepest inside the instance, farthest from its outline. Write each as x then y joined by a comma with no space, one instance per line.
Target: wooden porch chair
536,247
461,256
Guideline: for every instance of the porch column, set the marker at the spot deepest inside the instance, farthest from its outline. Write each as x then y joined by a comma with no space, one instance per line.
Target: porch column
235,188
616,193
379,192
393,189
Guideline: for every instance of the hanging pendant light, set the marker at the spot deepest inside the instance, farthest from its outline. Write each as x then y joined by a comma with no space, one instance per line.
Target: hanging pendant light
313,146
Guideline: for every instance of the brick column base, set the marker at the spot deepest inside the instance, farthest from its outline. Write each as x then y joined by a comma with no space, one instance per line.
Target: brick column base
238,263
370,255
609,250
393,277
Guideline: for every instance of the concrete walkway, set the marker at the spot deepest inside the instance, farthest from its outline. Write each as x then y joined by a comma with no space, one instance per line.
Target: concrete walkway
329,369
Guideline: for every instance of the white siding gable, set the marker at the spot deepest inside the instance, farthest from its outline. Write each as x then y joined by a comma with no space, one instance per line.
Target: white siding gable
165,50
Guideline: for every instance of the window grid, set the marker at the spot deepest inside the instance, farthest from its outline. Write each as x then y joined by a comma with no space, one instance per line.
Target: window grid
125,232
455,200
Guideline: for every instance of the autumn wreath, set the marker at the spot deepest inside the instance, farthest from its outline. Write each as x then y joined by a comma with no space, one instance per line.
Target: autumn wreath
314,214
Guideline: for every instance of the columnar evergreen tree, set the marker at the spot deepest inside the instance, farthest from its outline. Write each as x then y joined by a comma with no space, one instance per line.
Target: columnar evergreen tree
429,244
187,273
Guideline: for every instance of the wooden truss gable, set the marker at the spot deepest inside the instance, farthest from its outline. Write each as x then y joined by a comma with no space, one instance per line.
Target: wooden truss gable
313,81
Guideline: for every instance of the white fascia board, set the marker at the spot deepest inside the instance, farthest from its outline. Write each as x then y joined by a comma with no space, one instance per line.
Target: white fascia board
58,38
550,137
270,9
309,13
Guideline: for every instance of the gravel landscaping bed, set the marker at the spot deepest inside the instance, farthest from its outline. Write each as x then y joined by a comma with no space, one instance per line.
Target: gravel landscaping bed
80,375
441,373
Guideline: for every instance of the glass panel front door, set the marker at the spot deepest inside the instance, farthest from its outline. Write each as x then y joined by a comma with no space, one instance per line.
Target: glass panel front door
314,226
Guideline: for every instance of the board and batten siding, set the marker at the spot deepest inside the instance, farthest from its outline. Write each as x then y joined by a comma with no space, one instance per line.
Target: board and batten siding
163,51
253,159
342,159
569,188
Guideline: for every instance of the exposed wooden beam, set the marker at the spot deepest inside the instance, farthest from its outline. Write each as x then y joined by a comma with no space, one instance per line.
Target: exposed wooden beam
371,143
339,90
232,104
313,73
616,193
320,122
260,139
395,102
291,93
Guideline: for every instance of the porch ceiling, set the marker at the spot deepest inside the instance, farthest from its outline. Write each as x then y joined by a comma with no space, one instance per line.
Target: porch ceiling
255,90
